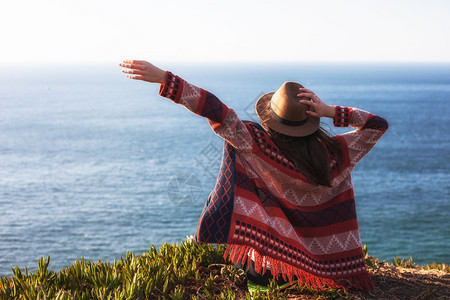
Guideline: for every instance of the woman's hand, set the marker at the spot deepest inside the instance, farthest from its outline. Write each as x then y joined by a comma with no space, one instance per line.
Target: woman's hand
143,70
318,107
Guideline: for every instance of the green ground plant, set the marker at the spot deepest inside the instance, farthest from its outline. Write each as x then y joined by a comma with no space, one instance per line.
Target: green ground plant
178,271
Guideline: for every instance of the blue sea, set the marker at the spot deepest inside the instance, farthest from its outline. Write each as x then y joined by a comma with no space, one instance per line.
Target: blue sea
94,165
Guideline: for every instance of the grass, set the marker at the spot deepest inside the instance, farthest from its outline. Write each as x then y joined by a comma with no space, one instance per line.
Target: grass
409,263
179,271
164,273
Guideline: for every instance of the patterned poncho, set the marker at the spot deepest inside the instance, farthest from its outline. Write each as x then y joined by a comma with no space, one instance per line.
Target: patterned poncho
265,210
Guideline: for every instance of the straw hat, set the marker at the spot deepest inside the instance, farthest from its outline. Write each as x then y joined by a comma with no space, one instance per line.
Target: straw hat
283,112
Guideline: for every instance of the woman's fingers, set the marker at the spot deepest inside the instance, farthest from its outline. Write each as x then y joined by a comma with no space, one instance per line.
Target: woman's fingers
313,113
136,62
318,108
132,66
306,90
313,107
133,71
307,95
137,77
309,103
143,70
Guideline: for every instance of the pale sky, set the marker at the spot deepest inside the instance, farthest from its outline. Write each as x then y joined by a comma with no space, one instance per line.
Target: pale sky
72,31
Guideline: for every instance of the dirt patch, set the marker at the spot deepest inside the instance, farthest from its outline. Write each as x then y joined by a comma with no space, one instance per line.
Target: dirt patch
394,283
391,282
408,283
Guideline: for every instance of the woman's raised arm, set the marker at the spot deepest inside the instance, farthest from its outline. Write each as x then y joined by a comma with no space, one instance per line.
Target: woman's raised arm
222,119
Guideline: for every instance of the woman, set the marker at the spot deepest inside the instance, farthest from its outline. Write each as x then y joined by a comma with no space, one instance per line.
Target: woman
283,201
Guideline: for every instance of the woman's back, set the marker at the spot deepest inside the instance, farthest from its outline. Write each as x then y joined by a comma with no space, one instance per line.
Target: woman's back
315,155
263,206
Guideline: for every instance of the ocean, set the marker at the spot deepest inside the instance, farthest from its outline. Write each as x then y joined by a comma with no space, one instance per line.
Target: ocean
95,165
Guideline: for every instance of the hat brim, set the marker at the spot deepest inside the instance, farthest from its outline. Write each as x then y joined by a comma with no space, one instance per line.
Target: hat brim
311,125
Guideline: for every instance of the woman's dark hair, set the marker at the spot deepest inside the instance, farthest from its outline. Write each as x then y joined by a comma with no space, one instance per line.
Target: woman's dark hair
310,154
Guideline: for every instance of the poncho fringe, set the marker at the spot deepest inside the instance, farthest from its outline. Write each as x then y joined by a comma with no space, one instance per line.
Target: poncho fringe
238,254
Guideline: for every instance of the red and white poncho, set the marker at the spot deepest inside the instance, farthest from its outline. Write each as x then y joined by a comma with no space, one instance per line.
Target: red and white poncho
266,210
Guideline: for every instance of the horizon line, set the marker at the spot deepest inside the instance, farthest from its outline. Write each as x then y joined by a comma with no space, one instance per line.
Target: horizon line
218,62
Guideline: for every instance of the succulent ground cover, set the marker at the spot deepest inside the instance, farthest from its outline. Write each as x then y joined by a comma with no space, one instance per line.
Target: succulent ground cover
190,271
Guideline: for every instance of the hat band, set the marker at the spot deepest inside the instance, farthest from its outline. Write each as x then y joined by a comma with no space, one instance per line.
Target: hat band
284,121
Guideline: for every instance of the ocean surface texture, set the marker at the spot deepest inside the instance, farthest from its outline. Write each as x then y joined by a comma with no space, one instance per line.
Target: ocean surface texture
93,164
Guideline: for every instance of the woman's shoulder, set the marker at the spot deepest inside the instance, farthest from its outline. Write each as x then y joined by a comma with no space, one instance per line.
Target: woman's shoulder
267,149
258,133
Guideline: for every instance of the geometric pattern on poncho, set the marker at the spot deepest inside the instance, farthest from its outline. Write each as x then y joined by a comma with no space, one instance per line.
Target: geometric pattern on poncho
216,220
259,238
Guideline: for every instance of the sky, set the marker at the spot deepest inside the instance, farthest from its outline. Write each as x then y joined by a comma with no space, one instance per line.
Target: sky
73,31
